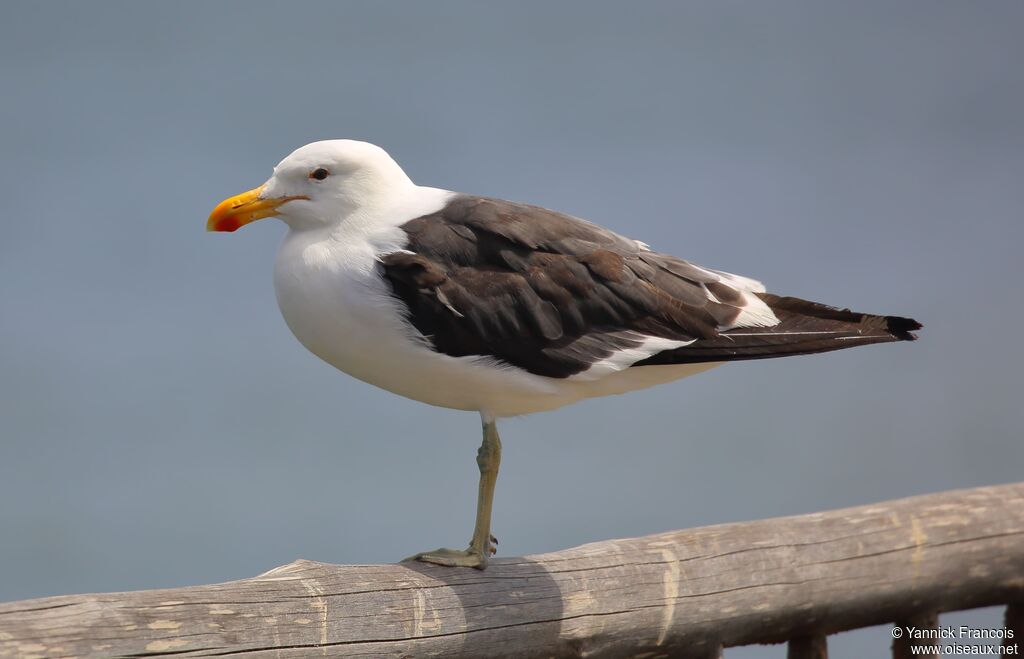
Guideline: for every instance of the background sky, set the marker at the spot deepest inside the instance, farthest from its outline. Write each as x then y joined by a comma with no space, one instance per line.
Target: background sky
159,425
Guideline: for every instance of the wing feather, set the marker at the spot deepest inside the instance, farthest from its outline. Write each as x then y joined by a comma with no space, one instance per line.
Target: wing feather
561,297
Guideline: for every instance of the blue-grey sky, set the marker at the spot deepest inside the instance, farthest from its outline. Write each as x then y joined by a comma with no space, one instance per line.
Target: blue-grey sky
159,426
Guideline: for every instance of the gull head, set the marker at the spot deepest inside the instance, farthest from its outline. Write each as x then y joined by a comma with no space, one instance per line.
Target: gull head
318,185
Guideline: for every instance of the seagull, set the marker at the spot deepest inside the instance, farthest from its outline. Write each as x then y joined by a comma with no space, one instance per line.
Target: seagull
503,308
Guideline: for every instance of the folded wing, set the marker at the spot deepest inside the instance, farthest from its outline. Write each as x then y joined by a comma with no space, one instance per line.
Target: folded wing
561,297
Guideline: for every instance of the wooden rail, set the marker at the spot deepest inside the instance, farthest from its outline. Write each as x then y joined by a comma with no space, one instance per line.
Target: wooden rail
681,594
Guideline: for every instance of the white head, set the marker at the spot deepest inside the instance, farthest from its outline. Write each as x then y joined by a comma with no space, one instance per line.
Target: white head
320,184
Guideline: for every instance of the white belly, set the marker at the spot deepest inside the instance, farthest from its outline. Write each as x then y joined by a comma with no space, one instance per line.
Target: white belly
337,306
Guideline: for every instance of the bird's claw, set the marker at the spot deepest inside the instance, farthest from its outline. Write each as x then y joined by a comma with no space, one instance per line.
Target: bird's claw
472,557
452,558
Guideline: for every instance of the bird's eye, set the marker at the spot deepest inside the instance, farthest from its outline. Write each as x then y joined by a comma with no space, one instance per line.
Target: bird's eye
319,173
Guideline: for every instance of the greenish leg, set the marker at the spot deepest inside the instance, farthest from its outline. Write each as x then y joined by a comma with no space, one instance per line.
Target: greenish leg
488,458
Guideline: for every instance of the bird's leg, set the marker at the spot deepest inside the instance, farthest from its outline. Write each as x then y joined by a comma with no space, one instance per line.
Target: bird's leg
488,459
482,546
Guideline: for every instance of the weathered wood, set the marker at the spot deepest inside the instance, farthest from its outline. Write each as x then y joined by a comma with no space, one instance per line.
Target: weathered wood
902,646
808,647
684,593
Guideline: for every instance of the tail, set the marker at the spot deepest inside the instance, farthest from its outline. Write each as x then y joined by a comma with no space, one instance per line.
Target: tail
804,328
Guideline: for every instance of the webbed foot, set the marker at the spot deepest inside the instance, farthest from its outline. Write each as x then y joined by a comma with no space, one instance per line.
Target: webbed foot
471,557
452,558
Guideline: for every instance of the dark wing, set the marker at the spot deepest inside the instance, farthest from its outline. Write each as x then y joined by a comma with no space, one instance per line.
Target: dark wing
804,328
556,296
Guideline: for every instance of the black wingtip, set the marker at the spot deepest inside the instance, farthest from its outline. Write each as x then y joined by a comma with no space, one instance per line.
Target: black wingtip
902,328
898,327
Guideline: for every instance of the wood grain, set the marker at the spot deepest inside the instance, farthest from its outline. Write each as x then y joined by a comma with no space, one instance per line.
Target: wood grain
684,593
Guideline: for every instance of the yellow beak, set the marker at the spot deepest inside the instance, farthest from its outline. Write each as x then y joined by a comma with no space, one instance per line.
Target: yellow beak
237,211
